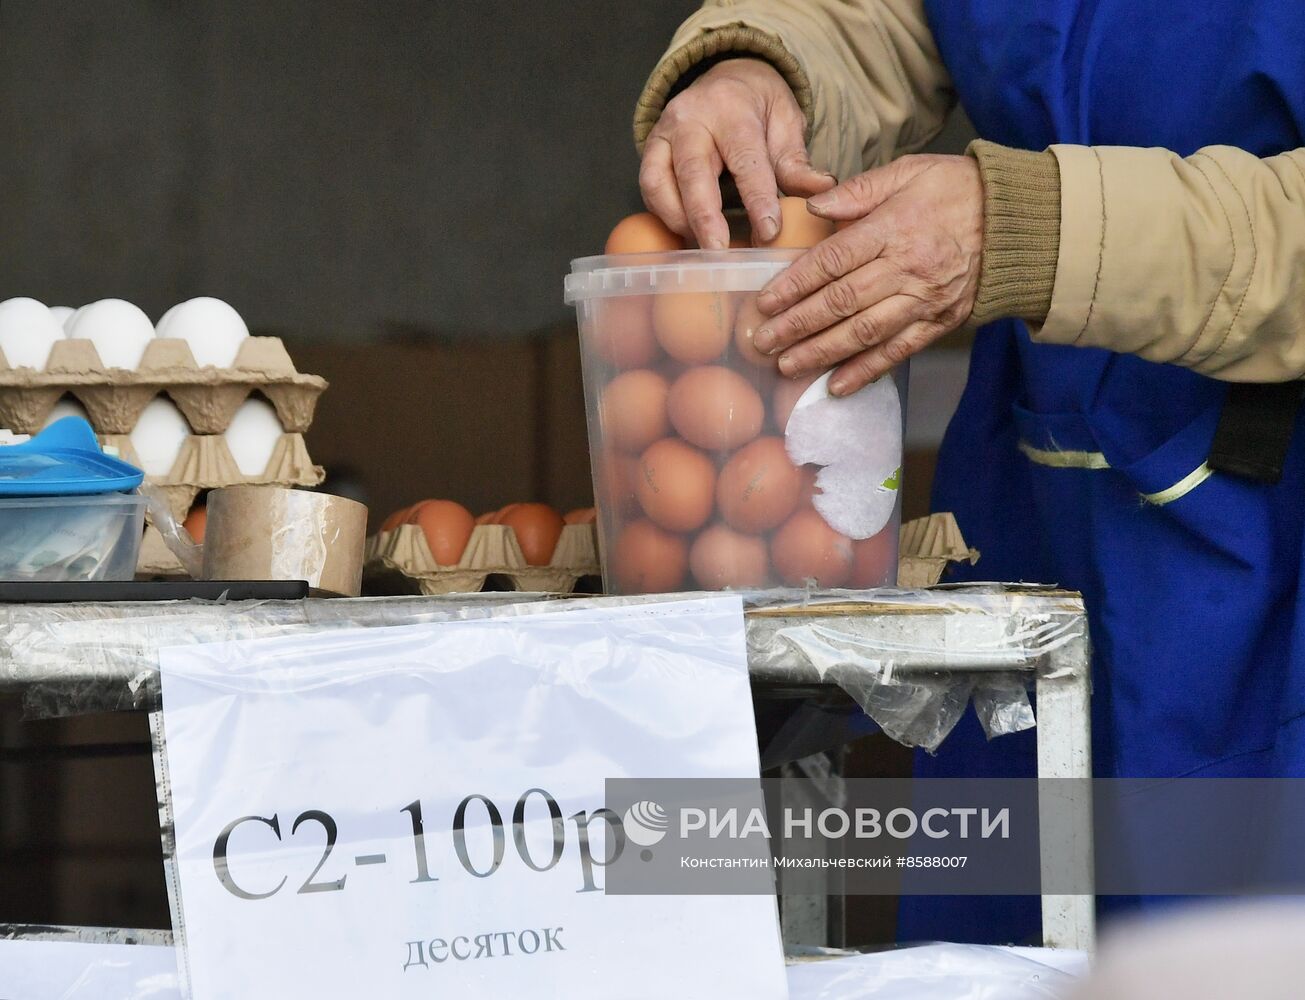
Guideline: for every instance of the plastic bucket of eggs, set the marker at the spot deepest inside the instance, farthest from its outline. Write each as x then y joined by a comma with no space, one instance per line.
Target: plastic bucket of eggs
711,470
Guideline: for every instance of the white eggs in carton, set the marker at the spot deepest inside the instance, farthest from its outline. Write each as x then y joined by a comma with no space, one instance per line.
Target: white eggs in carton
62,314
28,332
253,436
119,330
66,407
158,436
212,328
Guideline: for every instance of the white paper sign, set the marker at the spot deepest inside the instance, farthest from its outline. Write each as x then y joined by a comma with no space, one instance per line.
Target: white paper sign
77,970
415,811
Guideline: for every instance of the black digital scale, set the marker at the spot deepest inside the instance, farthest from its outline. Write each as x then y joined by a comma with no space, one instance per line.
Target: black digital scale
100,592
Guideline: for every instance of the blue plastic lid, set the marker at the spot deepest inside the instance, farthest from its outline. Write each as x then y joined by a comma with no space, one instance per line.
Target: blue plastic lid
63,460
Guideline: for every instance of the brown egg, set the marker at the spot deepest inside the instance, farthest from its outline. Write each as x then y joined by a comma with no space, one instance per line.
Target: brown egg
798,228
676,485
399,517
785,397
581,515
618,479
632,410
489,517
759,487
874,560
446,525
694,327
195,523
715,408
746,325
806,548
721,558
620,331
642,233
647,560
537,527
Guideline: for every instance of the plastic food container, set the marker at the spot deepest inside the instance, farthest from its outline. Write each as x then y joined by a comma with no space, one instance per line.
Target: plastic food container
68,512
712,471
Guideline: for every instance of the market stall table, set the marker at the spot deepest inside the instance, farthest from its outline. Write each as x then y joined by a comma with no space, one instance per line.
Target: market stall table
912,659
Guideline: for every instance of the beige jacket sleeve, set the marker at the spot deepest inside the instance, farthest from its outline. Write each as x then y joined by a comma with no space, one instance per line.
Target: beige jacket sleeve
866,72
1196,261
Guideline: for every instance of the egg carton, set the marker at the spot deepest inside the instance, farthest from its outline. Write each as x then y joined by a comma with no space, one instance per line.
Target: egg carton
205,463
114,398
928,545
400,561
156,559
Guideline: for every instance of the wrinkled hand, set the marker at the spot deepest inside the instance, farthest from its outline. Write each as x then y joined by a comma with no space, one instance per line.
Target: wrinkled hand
887,285
740,115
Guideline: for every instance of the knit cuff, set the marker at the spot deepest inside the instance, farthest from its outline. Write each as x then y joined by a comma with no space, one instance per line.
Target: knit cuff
1021,232
705,49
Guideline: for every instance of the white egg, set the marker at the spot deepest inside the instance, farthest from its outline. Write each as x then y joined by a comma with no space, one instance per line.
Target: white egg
70,319
27,332
212,328
253,435
118,329
62,314
158,436
66,407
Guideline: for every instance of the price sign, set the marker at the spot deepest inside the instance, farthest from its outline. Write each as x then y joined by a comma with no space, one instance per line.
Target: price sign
418,811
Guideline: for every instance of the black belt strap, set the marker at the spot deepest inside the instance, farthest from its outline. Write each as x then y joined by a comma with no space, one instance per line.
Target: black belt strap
1255,430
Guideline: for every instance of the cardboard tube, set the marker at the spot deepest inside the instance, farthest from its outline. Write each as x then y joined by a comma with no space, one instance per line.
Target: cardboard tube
274,533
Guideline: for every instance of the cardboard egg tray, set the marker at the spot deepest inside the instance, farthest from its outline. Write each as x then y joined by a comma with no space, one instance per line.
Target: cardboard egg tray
400,561
113,398
205,463
927,546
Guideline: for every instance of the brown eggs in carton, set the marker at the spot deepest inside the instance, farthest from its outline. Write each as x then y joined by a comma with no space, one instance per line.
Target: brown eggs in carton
400,561
114,398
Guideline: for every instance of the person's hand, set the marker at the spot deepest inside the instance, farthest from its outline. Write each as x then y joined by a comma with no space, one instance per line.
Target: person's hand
740,115
885,286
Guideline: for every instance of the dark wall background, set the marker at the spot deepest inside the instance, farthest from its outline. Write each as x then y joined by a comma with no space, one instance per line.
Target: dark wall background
336,168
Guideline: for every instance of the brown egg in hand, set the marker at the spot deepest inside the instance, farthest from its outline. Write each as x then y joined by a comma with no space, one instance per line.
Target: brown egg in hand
447,526
806,548
694,327
632,410
759,487
648,560
537,527
746,325
798,228
642,233
715,408
677,485
723,558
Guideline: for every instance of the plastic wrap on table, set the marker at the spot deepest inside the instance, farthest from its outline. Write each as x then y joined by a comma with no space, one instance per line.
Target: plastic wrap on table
938,971
912,660
87,963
